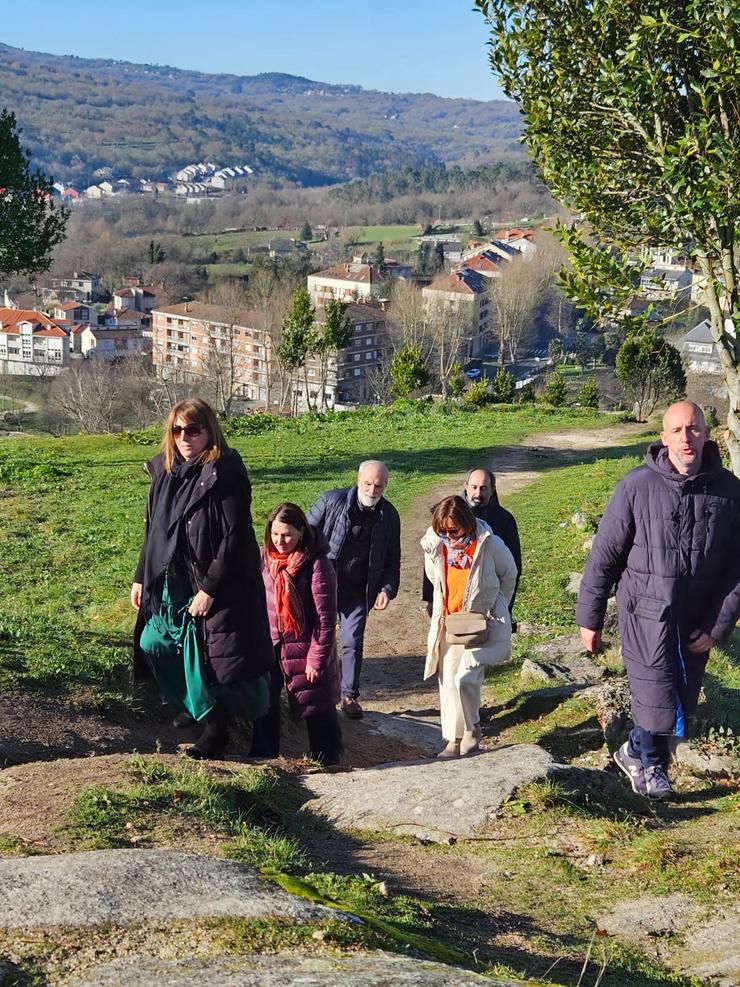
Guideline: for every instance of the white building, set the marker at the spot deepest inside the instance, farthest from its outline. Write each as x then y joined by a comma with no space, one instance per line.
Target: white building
31,344
347,282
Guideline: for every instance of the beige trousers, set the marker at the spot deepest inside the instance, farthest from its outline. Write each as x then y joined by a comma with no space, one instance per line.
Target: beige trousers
460,682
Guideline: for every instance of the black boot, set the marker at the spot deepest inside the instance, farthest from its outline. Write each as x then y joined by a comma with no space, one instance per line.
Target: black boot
212,742
183,721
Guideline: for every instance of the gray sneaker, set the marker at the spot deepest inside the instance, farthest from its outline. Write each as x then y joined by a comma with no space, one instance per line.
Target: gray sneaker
632,767
657,783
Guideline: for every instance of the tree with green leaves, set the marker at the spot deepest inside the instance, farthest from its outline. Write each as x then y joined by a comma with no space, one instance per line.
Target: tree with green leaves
380,258
649,370
503,387
457,381
555,391
478,228
306,233
30,224
409,371
590,393
155,252
331,336
297,342
631,113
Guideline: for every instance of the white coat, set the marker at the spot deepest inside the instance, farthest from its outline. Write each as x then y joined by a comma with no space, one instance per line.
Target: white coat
491,583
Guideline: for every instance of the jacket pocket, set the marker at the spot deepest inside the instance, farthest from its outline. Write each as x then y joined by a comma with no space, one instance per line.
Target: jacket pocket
649,609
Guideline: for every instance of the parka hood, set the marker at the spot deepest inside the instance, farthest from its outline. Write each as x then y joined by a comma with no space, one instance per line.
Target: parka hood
657,459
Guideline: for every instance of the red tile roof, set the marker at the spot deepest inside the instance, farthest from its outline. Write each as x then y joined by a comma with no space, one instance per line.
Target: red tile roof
42,324
364,273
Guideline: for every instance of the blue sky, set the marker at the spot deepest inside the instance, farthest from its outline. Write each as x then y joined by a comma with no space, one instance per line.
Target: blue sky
434,46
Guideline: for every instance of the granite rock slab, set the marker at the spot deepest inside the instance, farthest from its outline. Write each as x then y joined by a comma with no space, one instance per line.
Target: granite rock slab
363,970
437,800
124,887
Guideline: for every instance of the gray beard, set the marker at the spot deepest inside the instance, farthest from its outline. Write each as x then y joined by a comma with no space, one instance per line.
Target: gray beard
368,500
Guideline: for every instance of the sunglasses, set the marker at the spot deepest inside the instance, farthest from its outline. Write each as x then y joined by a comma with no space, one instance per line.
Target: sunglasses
190,430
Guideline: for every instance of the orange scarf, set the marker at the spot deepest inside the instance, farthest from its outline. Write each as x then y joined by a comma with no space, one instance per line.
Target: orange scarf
291,616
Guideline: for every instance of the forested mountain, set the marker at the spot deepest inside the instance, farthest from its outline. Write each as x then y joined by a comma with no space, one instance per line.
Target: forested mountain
79,115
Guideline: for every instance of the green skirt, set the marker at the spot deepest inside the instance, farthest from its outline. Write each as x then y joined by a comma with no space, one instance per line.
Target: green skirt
171,644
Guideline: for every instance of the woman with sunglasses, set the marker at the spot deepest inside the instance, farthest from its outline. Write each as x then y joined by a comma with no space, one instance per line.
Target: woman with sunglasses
301,588
202,627
473,573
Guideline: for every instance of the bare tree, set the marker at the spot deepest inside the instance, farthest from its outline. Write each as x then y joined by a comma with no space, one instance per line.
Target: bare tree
518,294
408,323
450,327
227,364
87,394
271,299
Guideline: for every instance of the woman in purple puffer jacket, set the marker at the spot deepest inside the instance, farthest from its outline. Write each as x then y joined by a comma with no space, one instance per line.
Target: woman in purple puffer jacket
301,590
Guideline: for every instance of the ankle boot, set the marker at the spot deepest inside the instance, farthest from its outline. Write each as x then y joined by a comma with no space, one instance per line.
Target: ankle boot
451,750
471,740
212,742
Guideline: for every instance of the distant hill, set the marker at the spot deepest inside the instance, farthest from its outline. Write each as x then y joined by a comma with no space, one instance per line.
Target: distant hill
81,114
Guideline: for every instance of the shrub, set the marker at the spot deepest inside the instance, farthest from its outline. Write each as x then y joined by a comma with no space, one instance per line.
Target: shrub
590,394
526,394
477,395
503,386
457,381
408,371
555,391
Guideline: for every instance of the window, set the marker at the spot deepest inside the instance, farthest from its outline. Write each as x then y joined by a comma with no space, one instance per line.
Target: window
370,355
369,341
358,357
358,372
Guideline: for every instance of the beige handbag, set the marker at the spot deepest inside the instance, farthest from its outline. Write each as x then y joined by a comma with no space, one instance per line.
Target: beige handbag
466,627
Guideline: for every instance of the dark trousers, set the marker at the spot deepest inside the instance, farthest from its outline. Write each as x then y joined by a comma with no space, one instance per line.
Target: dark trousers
324,731
352,620
651,748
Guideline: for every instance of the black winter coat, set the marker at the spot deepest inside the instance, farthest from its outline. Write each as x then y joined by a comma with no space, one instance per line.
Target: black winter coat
222,558
671,545
330,514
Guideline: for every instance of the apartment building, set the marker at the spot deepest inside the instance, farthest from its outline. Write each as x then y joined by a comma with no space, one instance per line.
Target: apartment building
198,340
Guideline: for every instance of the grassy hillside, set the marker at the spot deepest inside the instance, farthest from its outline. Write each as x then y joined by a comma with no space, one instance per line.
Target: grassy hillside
149,120
71,524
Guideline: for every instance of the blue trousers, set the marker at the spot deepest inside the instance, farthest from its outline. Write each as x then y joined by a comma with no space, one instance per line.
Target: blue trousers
352,620
651,748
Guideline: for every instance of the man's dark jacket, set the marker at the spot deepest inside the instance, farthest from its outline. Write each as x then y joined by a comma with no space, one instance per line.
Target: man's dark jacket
671,545
331,513
223,559
502,523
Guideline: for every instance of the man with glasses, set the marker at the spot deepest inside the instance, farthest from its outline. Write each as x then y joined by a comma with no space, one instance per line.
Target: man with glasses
364,534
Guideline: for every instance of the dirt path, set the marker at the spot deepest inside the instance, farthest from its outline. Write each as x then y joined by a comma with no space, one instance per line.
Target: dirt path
43,727
395,643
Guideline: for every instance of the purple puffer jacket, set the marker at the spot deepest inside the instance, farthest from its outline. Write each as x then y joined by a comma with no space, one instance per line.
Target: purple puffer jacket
671,545
316,582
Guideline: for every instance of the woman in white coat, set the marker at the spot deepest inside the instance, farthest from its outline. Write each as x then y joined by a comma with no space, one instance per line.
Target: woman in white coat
473,573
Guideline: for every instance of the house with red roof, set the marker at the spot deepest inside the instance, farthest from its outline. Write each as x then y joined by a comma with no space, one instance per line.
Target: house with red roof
75,312
31,344
356,281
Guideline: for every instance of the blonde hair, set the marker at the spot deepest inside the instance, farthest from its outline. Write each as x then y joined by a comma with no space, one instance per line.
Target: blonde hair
193,411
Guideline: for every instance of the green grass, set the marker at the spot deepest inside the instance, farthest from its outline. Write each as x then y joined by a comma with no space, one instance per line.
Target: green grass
551,552
387,234
247,808
72,514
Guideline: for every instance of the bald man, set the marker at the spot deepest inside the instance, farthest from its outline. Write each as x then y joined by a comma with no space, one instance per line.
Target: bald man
670,542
